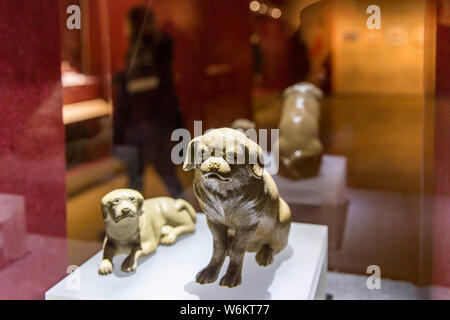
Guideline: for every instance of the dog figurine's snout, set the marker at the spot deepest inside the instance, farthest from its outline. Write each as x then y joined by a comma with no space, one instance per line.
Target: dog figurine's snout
126,211
215,164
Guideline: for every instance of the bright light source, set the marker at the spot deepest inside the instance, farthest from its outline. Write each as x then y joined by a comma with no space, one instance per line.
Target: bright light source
275,13
254,5
263,8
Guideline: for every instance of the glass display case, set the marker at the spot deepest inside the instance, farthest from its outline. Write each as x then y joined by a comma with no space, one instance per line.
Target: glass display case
348,101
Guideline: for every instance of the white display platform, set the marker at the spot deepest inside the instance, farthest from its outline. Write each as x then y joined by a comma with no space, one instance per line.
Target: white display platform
298,272
328,188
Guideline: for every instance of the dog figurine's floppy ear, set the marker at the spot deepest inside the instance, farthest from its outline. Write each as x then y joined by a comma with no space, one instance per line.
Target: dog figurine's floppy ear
140,206
189,161
106,210
255,157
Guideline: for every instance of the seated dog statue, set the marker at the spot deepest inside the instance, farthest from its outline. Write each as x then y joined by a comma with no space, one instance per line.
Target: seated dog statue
300,150
241,202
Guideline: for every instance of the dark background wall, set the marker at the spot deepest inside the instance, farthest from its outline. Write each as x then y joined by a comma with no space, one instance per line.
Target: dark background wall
212,54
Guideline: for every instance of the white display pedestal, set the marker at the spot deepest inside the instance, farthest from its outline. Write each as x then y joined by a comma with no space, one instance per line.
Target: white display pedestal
298,272
328,188
319,200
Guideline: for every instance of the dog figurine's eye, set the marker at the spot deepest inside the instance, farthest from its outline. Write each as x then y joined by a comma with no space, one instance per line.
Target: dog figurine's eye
131,198
116,201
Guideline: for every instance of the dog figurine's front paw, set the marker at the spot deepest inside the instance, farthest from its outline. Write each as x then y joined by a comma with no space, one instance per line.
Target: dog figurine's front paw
106,267
129,264
165,230
169,239
207,275
231,279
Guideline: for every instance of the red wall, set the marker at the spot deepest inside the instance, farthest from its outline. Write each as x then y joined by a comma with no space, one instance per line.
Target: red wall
32,163
31,129
182,20
275,38
226,62
117,12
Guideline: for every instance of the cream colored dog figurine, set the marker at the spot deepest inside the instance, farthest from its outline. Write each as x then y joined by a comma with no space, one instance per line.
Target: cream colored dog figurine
241,202
243,124
300,149
136,226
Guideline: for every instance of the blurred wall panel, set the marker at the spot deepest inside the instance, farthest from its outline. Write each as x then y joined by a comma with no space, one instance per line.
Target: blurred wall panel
182,20
70,39
274,37
32,133
117,13
427,192
441,244
96,45
226,80
32,164
384,61
212,58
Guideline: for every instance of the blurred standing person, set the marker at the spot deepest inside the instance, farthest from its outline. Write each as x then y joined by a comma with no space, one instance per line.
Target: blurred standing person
298,58
310,46
146,106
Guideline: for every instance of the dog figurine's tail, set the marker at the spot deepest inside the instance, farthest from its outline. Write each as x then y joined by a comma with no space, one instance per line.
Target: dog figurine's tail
181,204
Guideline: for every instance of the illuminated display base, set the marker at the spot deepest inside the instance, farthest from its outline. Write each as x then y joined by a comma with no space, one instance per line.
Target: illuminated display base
298,272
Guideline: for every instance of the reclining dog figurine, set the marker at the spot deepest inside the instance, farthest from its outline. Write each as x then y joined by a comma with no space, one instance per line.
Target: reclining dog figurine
240,200
136,226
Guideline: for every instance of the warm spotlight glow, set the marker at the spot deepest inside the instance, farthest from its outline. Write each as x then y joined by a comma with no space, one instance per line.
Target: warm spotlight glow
275,13
254,5
263,8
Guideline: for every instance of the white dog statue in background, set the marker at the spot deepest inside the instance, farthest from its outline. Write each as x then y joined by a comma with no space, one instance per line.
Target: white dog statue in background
300,150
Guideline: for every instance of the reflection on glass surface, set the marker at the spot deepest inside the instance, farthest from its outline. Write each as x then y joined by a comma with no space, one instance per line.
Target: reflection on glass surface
86,111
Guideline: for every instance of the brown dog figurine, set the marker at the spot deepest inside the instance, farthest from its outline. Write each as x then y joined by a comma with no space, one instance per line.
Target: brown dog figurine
240,200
